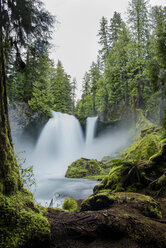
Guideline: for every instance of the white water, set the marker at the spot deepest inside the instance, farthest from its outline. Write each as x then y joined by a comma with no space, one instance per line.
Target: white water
91,125
62,142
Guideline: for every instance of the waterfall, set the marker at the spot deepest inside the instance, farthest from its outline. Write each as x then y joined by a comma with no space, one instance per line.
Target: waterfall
61,138
91,124
62,142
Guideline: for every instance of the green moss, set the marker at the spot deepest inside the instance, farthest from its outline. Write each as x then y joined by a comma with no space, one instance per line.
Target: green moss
10,180
106,159
22,223
85,168
115,180
160,156
70,204
147,144
105,199
142,122
96,178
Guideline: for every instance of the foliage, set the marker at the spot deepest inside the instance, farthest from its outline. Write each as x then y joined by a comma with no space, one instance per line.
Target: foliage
27,174
145,146
41,98
141,167
132,66
22,223
61,90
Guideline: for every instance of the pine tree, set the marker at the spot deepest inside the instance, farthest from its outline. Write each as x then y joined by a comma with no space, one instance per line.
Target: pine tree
21,22
139,27
114,28
61,90
73,94
103,39
94,73
85,105
42,98
157,65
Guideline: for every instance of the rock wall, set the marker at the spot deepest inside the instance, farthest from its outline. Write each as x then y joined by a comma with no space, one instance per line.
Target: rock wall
24,123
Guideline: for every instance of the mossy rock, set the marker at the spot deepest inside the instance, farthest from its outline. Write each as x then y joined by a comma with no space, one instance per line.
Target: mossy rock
146,145
142,122
70,204
144,176
106,199
124,176
85,168
22,223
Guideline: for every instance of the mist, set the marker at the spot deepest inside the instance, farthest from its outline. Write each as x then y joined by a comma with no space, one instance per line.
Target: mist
61,142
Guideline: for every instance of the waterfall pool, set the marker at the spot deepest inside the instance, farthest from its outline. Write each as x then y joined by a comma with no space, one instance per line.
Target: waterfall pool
56,190
60,143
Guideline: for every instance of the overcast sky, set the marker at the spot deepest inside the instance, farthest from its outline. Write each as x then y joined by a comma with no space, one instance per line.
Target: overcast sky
75,37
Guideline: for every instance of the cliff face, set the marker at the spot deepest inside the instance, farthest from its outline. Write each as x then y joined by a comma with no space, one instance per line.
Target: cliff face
24,123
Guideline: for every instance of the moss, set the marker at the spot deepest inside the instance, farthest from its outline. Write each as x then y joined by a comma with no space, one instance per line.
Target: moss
142,122
158,186
105,199
160,156
106,159
70,204
10,180
115,180
102,200
85,168
147,144
22,223
96,178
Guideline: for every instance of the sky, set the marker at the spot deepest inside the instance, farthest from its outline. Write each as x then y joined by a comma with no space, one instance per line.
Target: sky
75,41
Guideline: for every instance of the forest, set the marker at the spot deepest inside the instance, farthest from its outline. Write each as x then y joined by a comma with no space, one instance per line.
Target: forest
125,87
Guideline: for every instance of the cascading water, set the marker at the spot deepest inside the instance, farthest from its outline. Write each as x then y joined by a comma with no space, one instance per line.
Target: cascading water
91,124
61,137
60,143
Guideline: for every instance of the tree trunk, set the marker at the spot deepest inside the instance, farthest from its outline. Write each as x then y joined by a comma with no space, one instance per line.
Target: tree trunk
9,171
162,100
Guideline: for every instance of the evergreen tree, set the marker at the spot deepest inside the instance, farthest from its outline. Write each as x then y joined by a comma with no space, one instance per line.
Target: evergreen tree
61,90
157,65
73,93
101,97
114,28
19,81
21,22
42,98
139,26
94,74
103,39
85,105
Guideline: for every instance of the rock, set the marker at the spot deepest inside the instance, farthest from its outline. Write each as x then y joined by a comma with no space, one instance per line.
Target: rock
105,200
24,123
122,225
145,146
86,168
